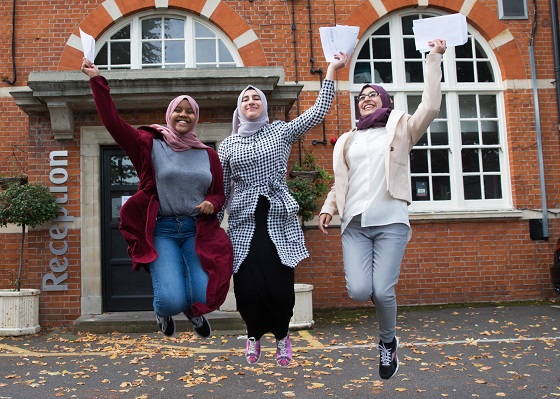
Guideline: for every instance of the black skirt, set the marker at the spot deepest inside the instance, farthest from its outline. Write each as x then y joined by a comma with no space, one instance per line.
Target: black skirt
263,286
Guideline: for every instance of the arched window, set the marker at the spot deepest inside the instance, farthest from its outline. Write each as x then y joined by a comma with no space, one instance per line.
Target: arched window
150,40
461,161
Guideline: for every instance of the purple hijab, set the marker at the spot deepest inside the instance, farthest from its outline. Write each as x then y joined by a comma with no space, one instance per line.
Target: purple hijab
380,116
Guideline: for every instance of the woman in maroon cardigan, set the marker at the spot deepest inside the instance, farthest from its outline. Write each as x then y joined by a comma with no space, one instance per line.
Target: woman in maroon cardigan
170,224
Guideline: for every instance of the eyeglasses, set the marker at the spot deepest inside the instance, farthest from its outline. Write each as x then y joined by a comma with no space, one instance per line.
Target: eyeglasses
371,95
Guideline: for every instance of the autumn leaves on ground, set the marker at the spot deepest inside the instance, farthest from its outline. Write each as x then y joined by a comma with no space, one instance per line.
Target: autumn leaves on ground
503,350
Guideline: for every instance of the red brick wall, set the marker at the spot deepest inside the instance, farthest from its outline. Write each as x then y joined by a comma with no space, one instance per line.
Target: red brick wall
445,261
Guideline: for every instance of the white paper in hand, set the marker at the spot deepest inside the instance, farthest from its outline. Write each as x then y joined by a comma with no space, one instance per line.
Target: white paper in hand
451,28
88,45
339,38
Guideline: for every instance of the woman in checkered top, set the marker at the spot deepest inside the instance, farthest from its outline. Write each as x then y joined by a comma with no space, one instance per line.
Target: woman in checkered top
262,216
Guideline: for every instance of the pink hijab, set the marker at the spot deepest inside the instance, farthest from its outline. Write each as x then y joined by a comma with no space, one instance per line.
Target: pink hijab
175,140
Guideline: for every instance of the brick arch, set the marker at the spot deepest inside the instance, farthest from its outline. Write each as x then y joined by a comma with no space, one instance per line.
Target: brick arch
509,57
105,15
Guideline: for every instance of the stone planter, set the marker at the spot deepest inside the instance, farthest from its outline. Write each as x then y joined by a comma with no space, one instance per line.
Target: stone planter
303,309
19,312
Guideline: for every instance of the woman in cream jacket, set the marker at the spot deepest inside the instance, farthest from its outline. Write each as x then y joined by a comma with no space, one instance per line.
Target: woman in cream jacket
371,192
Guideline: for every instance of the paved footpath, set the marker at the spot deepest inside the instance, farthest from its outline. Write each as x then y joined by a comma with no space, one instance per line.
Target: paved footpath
509,351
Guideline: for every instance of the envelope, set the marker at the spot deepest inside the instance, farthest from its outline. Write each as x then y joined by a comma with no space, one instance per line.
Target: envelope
339,38
451,28
88,45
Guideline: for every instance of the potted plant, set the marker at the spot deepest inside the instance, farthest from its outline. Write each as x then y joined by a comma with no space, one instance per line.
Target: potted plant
25,205
309,182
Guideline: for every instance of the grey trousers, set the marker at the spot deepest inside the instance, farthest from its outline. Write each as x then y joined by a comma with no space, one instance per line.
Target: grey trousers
372,263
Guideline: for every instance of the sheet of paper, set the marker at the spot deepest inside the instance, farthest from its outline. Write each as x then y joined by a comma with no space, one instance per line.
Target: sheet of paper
335,39
88,45
451,28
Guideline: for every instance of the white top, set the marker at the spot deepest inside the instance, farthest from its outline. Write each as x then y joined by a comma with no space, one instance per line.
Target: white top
367,185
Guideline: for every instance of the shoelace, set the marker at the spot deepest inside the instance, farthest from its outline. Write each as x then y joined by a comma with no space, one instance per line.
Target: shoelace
196,321
282,346
252,346
386,357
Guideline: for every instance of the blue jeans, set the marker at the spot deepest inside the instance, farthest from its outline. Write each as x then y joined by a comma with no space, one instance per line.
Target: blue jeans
178,279
372,263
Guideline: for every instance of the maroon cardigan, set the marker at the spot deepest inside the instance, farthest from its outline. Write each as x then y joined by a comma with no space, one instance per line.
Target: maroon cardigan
139,213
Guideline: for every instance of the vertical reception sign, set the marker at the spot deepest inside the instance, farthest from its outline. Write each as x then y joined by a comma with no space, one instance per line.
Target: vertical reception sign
55,279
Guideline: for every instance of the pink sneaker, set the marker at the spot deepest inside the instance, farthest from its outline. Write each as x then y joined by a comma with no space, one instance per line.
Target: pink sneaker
253,351
284,351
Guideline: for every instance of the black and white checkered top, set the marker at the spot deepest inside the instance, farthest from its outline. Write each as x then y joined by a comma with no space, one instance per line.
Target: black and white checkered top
257,165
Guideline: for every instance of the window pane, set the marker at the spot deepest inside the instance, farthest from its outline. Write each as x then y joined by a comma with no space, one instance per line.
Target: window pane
381,48
419,161
202,31
383,30
205,50
410,49
467,106
151,28
120,53
420,188
464,51
151,53
441,188
122,171
490,133
364,53
492,187
471,187
384,71
407,23
440,161
174,51
465,71
469,158
414,72
438,133
225,55
362,72
122,34
101,57
412,103
174,28
488,107
443,109
491,160
484,71
469,133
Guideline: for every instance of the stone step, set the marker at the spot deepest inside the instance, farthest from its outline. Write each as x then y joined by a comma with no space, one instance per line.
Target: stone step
222,323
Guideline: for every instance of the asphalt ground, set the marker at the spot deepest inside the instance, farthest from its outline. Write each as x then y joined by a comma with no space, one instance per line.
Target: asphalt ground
472,351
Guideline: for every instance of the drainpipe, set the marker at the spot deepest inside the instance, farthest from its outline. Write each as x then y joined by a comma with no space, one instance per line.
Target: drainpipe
313,70
5,79
538,126
294,43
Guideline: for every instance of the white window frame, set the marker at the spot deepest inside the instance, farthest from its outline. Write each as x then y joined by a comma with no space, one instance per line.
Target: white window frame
399,90
136,45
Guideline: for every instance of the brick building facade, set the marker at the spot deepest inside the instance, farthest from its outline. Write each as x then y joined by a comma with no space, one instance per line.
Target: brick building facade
481,205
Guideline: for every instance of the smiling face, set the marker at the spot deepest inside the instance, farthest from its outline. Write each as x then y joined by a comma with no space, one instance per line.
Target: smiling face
183,117
368,105
251,104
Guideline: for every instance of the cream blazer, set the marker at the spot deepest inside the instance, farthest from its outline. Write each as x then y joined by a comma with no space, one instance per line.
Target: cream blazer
403,131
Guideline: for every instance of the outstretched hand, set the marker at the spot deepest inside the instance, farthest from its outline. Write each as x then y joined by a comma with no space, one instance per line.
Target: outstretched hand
439,46
89,68
340,60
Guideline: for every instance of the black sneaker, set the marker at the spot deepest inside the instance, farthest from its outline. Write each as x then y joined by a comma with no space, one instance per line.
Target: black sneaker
166,325
201,326
388,360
